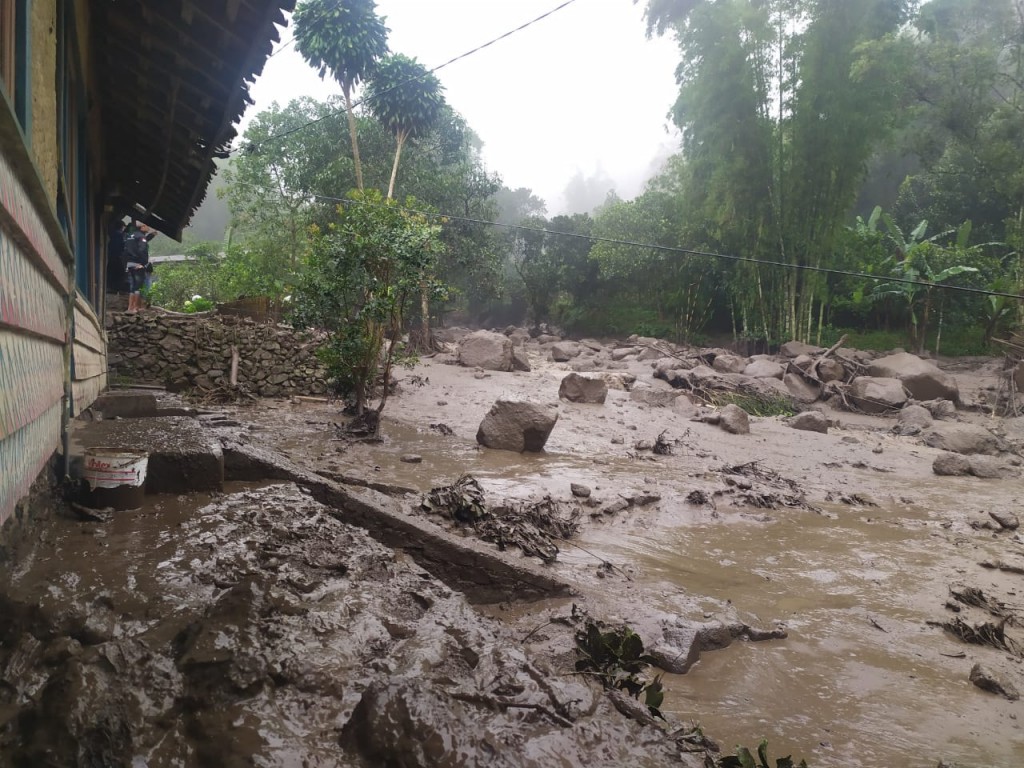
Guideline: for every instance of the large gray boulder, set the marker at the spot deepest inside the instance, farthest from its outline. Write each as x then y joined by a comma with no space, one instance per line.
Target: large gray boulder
962,438
656,397
914,419
764,369
583,389
831,370
729,364
517,425
810,421
801,389
734,420
797,348
920,377
877,395
564,351
487,350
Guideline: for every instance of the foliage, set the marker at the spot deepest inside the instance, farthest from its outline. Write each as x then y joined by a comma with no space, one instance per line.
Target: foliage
617,658
745,759
365,270
754,404
198,304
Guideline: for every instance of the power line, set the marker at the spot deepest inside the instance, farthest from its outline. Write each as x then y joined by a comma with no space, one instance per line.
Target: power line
252,147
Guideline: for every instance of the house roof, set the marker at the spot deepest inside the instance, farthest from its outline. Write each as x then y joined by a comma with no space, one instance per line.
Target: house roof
174,78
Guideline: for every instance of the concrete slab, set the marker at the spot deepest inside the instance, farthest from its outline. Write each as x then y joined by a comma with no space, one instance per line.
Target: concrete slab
183,455
125,404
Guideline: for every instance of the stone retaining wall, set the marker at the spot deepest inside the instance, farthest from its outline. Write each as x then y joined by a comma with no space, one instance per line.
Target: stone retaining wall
194,351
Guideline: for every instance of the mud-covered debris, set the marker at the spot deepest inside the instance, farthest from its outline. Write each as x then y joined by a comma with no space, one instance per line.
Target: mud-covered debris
999,565
1007,520
761,488
987,633
976,598
663,446
463,501
533,526
988,681
851,499
699,498
442,429
579,491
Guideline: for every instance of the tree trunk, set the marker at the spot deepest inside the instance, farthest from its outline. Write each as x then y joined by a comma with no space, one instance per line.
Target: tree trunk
425,345
399,141
352,136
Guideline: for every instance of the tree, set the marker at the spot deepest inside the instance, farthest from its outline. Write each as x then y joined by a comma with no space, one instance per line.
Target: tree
345,38
365,270
406,98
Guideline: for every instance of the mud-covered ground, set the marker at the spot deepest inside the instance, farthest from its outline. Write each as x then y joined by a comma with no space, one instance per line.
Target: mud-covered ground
858,560
256,627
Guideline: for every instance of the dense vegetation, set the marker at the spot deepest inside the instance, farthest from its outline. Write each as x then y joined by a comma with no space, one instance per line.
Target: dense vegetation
852,158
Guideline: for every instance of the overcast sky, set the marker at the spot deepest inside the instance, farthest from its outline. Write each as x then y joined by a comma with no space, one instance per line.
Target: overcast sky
581,96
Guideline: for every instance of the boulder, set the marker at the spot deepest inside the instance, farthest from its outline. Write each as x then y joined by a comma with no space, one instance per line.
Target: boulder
989,681
583,389
951,465
763,369
1007,520
649,353
729,364
521,360
519,336
831,370
797,348
913,420
734,420
803,362
564,351
962,438
487,350
450,335
801,389
920,377
940,409
517,425
877,395
810,421
684,406
621,353
654,396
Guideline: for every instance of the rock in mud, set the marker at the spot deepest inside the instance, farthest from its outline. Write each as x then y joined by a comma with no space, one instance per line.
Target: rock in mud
579,491
913,420
564,351
810,421
951,465
521,360
797,348
764,369
801,389
987,467
987,680
940,409
486,350
517,425
729,364
583,389
921,378
621,382
1007,520
734,420
684,642
962,438
831,370
877,395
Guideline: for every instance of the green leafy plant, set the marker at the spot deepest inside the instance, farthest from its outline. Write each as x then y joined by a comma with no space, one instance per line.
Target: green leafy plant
198,304
745,759
617,658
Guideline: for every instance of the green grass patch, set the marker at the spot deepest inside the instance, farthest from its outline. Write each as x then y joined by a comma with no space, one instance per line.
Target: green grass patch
755,405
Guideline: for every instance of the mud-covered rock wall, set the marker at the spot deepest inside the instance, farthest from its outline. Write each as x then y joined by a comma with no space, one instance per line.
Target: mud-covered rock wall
195,351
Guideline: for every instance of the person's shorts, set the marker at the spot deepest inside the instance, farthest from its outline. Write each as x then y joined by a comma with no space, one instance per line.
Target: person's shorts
137,277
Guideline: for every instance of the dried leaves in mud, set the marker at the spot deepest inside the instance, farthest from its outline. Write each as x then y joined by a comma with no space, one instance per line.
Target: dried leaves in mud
763,488
532,526
976,598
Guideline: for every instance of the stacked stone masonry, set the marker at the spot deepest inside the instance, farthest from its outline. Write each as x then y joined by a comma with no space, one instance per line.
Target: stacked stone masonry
184,352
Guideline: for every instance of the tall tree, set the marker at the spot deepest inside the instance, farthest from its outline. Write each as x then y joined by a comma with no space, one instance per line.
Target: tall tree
406,98
345,38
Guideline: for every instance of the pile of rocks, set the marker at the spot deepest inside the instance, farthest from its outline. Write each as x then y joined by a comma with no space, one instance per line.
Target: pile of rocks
184,352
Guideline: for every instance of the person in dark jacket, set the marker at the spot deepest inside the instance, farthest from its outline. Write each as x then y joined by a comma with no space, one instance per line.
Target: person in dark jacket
136,250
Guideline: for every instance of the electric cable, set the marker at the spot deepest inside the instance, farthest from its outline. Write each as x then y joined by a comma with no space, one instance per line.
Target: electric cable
254,146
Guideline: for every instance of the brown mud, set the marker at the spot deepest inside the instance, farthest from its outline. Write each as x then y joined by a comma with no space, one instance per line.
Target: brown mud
256,628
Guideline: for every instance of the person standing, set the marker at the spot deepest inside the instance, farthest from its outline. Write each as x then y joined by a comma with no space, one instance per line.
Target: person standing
136,249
